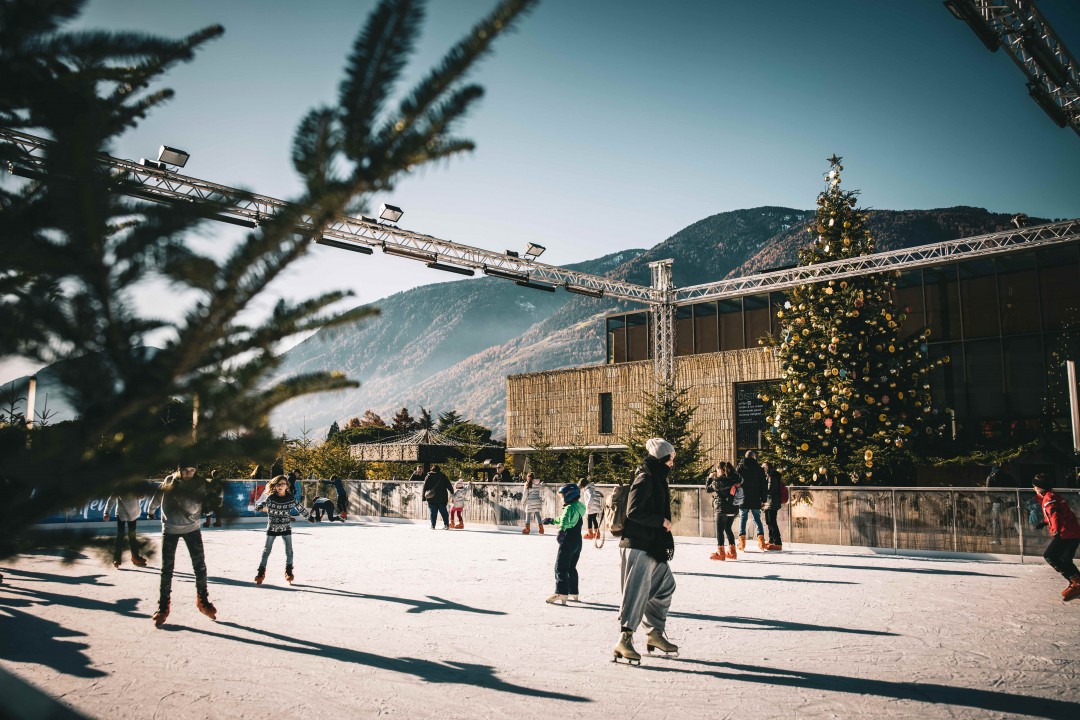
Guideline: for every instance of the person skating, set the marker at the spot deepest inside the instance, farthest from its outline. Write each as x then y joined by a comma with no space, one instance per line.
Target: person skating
436,491
646,547
323,506
566,558
457,505
180,498
753,486
594,503
534,503
723,484
128,509
1065,534
773,486
278,504
342,497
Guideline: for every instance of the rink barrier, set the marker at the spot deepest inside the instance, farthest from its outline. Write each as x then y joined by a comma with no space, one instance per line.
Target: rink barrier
929,521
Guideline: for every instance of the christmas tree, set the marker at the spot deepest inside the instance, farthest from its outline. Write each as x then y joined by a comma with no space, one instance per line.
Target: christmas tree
854,397
668,414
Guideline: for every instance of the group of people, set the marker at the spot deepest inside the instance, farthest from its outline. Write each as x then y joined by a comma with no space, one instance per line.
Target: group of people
745,491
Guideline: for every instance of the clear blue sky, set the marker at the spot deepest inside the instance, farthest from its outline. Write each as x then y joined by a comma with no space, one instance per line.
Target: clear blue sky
611,124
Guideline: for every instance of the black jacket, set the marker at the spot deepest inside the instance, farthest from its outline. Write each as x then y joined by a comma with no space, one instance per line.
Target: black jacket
647,506
772,490
440,485
754,484
720,487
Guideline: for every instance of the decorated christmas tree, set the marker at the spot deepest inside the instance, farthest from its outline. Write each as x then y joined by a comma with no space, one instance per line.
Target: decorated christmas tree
854,397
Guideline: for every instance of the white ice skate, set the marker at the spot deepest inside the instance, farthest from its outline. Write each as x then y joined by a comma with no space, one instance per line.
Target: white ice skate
657,641
556,599
625,650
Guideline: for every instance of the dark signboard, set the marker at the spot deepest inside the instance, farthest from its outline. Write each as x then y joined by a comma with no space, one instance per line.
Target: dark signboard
750,424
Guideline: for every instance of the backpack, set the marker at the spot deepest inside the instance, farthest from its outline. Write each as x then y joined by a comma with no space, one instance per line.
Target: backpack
740,496
617,507
784,495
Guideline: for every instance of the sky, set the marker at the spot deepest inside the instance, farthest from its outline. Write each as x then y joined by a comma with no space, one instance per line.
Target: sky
613,124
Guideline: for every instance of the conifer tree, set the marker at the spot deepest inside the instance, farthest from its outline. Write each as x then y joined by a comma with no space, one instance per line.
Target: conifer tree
77,241
425,422
854,397
403,422
449,419
333,431
668,414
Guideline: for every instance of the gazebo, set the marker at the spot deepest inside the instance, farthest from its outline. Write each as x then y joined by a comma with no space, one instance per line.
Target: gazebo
425,446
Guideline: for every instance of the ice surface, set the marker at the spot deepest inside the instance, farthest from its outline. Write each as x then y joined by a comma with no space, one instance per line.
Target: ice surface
394,619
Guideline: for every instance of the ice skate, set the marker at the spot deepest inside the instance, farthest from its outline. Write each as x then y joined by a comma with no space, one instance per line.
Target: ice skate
556,599
260,576
1073,591
731,552
138,561
217,522
525,531
774,547
760,543
541,529
289,577
625,650
656,641
206,607
344,517
161,615
718,555
742,542
116,564
311,519
207,523
460,524
574,598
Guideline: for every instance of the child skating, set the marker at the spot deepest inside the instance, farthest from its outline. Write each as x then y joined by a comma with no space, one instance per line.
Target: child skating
566,559
1065,533
278,503
723,484
594,504
457,503
128,509
534,504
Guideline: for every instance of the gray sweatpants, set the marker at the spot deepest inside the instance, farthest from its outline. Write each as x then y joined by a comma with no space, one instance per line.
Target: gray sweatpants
647,589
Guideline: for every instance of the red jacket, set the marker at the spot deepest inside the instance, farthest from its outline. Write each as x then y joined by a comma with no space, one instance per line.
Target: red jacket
1059,516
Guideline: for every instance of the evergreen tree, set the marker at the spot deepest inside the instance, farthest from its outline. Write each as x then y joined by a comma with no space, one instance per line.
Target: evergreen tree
372,419
470,433
425,422
449,419
403,422
853,396
333,432
78,242
667,414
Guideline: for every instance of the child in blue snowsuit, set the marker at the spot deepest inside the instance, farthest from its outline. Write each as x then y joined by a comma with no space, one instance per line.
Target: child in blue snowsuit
569,525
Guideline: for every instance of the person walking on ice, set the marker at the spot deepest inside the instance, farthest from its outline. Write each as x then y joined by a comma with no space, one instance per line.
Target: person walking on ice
534,504
646,547
128,509
594,504
566,558
278,503
180,498
1065,531
457,502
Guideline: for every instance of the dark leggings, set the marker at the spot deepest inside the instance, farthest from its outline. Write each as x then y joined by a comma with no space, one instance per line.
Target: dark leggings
194,543
774,527
594,523
118,553
723,528
566,559
1059,555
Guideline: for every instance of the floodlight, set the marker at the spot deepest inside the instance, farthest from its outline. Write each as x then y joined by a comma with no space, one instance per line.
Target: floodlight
172,156
506,274
532,250
536,286
451,268
579,290
390,213
352,247
511,253
410,253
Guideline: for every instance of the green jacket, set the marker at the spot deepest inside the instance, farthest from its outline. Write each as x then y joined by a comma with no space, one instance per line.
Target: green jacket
571,516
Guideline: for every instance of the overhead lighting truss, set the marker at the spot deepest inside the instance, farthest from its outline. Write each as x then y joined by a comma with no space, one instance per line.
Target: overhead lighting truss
1019,28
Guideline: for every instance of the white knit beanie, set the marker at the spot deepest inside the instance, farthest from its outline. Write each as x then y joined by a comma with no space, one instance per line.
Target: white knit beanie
659,448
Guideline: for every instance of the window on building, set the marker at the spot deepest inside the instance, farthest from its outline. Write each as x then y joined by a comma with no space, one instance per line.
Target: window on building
942,303
607,414
978,295
637,336
1025,376
684,330
1058,278
909,301
756,311
706,339
985,383
947,381
730,324
1018,294
616,339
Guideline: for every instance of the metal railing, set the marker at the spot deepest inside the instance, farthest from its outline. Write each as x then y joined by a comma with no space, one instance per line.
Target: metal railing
951,520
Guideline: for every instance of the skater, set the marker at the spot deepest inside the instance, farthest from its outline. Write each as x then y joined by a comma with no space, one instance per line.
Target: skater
566,559
753,486
342,497
534,503
594,502
457,507
215,499
323,506
180,498
723,484
128,511
646,547
773,485
437,489
1065,531
278,504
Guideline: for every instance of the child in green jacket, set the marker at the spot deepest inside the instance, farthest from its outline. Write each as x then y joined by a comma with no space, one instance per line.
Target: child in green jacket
569,524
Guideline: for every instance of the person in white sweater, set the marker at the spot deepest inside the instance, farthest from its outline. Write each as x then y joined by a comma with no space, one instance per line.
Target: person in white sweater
594,504
127,509
457,502
534,503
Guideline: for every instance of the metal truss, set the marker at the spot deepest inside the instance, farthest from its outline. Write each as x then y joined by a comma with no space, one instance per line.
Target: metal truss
1026,36
663,323
988,245
361,234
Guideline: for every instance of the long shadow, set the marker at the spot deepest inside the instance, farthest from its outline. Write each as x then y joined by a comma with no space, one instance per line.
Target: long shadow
124,606
51,577
989,700
27,638
427,670
759,623
769,577
917,571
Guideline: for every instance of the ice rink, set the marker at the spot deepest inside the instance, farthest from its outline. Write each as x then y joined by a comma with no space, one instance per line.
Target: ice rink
394,619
